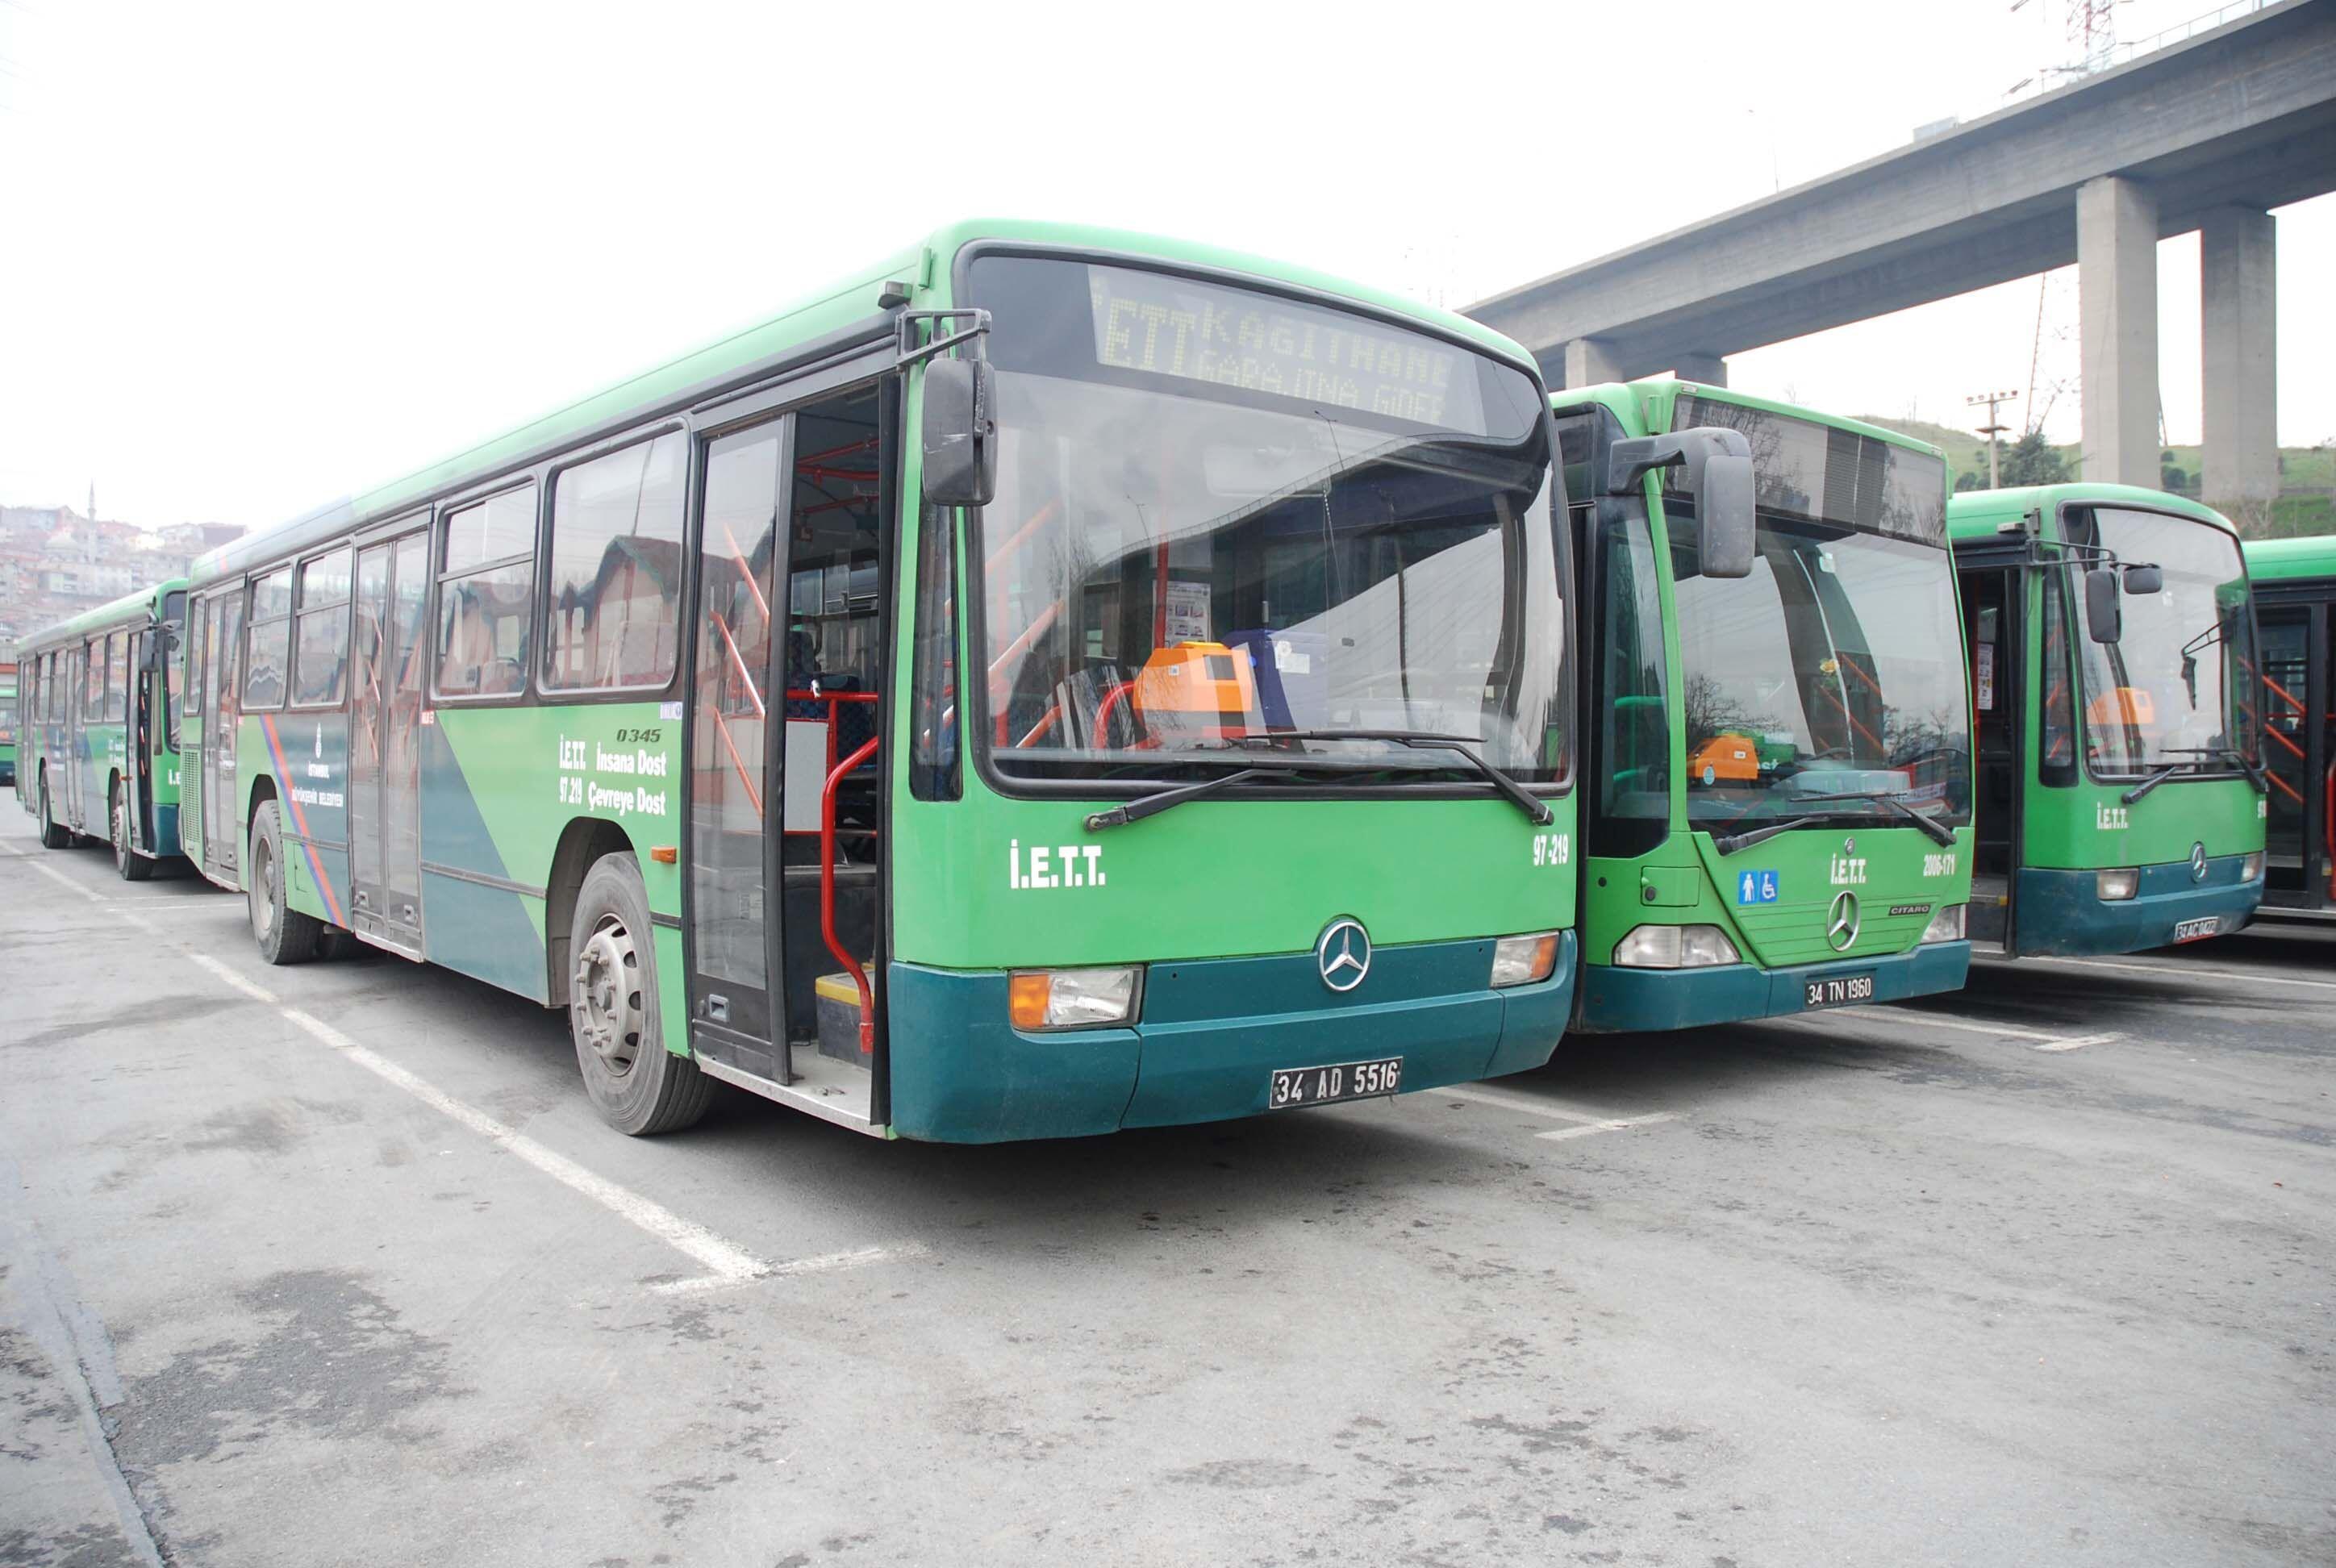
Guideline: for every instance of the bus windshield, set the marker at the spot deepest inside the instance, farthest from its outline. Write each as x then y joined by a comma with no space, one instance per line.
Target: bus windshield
2170,691
1224,515
1834,669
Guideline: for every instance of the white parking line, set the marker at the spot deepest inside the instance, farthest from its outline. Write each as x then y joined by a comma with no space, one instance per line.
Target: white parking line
1614,1125
1586,1121
2042,1041
2179,972
725,1262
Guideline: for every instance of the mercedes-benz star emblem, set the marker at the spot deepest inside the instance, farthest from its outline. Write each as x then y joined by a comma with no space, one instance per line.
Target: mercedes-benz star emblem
1849,846
1343,953
1841,922
2198,863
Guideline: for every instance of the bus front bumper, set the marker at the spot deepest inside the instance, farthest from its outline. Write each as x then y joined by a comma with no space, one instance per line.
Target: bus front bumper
1211,1034
2062,913
1617,1000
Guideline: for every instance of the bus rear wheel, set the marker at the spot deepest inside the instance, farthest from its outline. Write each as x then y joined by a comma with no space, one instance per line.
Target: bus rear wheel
133,866
638,1086
285,935
55,834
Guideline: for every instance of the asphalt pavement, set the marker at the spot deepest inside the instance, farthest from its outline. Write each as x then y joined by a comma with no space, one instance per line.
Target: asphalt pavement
334,1265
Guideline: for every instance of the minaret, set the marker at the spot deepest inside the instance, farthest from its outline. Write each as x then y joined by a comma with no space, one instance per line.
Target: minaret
92,501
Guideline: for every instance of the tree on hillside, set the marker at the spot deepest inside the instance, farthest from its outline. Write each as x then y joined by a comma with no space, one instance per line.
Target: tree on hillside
2031,460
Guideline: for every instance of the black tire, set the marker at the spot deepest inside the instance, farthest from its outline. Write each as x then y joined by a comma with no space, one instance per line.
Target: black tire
638,1086
133,866
285,935
55,834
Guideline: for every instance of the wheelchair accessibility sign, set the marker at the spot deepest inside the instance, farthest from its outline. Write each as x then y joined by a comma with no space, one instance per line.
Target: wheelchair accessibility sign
1755,888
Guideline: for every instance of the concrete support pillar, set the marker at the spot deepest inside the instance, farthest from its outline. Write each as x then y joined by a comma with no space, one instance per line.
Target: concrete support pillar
2235,274
2117,294
1708,369
1589,361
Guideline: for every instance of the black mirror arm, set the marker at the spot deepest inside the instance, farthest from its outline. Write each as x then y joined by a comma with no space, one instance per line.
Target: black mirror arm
1628,462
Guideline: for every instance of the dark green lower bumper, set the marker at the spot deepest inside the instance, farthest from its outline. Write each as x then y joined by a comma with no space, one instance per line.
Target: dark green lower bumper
1210,1035
2061,913
1617,1000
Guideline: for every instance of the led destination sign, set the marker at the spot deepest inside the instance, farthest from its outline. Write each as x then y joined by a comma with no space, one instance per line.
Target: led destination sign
1174,326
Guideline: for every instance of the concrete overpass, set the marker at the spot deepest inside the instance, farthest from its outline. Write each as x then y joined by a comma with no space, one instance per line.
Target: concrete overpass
2209,135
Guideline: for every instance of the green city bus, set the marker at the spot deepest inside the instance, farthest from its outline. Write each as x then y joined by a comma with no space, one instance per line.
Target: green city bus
101,727
1777,816
2295,610
2111,635
1175,703
9,719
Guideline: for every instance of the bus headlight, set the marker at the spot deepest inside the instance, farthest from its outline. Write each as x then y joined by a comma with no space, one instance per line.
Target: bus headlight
2251,868
1523,961
1946,926
1675,947
1072,998
2118,883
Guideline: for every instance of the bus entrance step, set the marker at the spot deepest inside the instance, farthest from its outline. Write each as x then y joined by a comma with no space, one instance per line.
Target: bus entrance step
838,1019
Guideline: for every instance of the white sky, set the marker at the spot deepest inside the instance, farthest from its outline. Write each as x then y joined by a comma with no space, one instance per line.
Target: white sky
258,255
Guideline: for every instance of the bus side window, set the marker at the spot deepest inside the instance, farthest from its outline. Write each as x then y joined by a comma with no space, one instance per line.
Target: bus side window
320,651
933,775
486,595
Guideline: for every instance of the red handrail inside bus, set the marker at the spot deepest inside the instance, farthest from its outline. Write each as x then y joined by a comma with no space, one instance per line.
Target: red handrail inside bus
866,749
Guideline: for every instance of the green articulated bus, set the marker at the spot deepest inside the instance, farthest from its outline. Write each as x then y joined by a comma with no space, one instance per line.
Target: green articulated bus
10,716
2295,609
1777,814
2112,644
101,726
1171,654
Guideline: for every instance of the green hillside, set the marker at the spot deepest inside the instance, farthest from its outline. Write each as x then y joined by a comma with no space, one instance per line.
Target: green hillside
2303,469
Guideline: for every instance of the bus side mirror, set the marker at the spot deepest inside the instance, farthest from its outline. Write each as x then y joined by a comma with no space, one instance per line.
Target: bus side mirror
2103,612
961,435
2144,578
1724,516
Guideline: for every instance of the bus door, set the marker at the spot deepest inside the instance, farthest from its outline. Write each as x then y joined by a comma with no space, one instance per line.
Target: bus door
137,758
89,715
2299,747
222,821
393,587
1992,603
734,926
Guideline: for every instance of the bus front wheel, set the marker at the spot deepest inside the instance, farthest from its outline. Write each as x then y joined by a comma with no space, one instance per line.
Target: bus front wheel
55,834
638,1086
285,935
133,866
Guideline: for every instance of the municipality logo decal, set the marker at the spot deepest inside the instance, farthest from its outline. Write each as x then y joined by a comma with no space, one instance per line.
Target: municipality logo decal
1343,953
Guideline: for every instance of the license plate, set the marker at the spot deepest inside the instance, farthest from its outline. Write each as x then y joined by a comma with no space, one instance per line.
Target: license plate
2191,930
1324,1085
1834,990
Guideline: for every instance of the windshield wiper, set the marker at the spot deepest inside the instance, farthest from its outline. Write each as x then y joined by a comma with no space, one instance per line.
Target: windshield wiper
1154,804
1896,802
1729,843
2257,774
2152,782
1523,799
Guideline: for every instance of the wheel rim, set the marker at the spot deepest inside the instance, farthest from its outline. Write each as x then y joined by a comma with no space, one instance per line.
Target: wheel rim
120,832
605,997
263,890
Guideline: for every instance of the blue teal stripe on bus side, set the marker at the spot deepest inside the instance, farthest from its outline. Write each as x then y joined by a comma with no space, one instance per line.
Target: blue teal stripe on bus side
486,932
